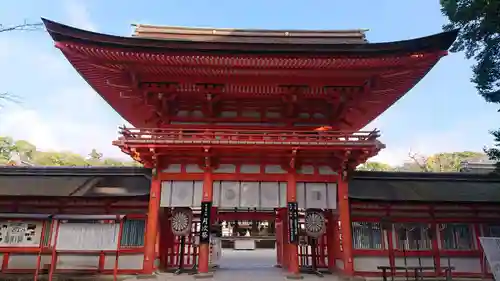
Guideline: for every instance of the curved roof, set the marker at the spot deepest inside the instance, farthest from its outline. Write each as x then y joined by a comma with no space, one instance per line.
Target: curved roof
116,67
64,33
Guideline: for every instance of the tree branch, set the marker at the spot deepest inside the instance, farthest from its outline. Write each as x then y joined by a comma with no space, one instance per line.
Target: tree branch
9,98
24,27
421,163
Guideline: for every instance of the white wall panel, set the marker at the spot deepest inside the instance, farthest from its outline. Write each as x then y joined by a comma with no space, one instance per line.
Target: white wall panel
216,193
301,195
172,168
77,262
197,193
274,169
316,195
226,168
269,194
306,169
283,186
193,168
250,194
331,189
326,170
182,193
246,194
166,193
230,194
250,169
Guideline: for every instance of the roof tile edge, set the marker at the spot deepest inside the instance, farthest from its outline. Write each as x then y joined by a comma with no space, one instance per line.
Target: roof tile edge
197,33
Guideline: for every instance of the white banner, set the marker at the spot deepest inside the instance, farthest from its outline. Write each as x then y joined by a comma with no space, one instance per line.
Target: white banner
491,248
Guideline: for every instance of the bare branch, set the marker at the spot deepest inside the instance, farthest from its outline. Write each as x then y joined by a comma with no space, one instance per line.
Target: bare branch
420,161
26,26
9,98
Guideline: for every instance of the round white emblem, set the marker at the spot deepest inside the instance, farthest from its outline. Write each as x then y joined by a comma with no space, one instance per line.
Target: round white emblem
315,224
181,221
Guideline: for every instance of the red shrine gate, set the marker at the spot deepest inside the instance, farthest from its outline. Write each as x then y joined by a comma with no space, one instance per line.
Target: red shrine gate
214,106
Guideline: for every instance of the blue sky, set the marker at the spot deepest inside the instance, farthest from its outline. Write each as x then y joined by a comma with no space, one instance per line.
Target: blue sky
60,111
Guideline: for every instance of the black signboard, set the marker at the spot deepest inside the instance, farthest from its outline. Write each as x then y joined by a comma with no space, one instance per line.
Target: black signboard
293,222
205,222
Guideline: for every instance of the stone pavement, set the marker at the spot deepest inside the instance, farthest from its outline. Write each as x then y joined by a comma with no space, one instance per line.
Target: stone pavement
245,266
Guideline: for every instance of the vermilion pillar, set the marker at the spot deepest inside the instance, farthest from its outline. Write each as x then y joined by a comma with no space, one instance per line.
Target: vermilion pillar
204,254
152,226
293,253
282,212
331,230
345,225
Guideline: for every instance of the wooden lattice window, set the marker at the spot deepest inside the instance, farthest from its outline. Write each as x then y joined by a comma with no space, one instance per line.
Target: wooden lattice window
491,230
457,236
367,235
413,236
133,233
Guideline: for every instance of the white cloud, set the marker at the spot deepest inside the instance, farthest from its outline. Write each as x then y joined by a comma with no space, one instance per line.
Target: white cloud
60,131
78,15
28,125
467,135
58,110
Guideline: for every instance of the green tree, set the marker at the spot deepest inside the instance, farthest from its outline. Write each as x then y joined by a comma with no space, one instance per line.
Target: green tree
479,37
375,166
494,152
54,158
25,148
6,147
439,162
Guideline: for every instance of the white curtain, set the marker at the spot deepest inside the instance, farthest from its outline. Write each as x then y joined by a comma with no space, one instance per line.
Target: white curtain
88,236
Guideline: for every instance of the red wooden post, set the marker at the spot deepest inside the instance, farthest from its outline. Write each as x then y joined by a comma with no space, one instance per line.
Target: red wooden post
284,237
53,258
39,256
204,249
118,245
345,221
293,253
166,238
152,226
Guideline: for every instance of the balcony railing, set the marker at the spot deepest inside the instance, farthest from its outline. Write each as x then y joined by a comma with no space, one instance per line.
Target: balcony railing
148,136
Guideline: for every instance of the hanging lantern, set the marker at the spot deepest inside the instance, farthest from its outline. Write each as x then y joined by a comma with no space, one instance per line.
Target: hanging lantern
315,224
181,221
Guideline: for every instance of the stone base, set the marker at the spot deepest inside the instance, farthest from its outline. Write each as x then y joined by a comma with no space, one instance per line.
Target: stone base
293,276
204,275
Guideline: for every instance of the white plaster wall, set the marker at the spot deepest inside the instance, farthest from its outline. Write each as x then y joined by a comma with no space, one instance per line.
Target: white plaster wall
26,261
369,264
125,261
74,261
413,261
463,264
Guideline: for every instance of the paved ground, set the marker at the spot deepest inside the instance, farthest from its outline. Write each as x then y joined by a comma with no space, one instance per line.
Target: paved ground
247,266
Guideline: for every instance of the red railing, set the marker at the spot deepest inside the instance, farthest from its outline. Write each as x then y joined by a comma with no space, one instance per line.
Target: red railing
137,136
